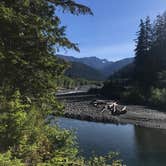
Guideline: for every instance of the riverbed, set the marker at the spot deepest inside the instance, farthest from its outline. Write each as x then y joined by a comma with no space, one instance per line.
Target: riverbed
80,107
138,146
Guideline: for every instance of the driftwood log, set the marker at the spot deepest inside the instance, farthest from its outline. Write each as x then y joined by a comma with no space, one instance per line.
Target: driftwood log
114,108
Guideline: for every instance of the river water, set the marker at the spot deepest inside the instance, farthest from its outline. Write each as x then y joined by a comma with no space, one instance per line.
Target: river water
137,146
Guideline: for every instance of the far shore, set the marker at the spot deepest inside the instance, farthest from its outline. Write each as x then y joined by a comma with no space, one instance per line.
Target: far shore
78,106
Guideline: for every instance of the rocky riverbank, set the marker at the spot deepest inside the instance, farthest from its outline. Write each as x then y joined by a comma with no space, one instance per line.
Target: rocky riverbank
80,107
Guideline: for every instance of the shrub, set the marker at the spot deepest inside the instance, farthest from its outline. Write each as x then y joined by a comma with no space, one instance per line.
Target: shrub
7,160
158,97
133,95
112,90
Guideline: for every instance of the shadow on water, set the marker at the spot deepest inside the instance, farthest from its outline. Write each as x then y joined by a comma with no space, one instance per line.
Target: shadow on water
137,146
150,145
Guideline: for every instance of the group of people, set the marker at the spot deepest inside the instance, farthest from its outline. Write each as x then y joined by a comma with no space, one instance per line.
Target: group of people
113,107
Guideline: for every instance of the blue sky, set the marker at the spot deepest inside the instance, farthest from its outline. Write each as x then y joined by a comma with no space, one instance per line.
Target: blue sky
110,33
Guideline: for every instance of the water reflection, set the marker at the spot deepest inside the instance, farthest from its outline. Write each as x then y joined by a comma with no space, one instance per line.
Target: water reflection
150,145
138,146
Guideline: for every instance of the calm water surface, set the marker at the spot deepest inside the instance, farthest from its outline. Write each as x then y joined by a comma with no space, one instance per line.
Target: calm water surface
138,146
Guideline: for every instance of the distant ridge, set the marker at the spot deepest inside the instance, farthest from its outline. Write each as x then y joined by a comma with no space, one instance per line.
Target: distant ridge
94,68
93,61
116,66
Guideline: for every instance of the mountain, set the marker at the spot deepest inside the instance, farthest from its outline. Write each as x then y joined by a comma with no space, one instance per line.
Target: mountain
93,67
80,70
93,62
116,66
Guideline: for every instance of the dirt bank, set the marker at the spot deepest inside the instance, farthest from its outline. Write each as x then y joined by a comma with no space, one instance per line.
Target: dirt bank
80,107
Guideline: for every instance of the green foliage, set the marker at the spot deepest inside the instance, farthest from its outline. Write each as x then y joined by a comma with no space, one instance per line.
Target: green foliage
30,34
66,82
79,70
113,89
134,96
148,69
13,116
29,137
27,48
162,79
69,83
158,97
150,62
32,141
150,52
143,57
7,160
111,157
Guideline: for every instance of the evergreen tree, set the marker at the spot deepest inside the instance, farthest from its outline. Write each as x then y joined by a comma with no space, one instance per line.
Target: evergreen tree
158,31
149,33
148,73
141,53
30,30
158,57
150,57
144,73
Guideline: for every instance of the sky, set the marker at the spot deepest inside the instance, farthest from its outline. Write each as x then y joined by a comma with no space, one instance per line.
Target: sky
110,33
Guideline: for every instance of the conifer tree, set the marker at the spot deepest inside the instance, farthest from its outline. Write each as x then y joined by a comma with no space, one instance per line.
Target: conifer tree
30,30
140,51
150,52
149,33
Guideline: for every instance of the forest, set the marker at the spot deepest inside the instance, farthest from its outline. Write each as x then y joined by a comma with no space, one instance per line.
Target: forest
144,81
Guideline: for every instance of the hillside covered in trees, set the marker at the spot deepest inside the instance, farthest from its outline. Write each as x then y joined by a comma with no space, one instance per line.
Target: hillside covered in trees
93,68
79,70
144,82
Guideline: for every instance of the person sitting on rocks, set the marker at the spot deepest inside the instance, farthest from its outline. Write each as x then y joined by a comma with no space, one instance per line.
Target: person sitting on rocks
105,108
113,107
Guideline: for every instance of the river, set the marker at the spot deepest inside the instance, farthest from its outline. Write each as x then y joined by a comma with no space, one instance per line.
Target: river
137,146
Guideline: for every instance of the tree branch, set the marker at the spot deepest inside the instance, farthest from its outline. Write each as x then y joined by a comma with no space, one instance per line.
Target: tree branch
72,6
